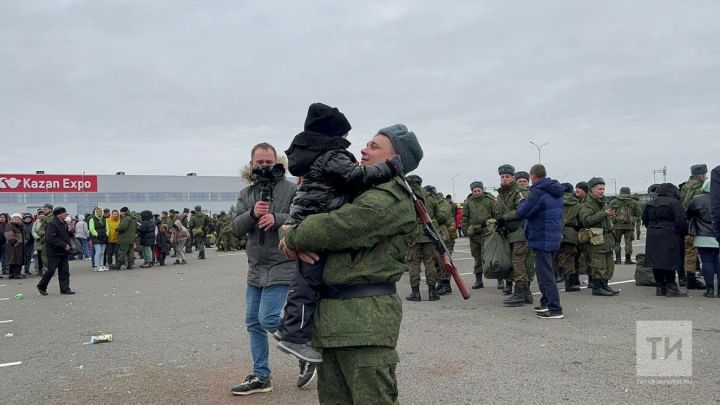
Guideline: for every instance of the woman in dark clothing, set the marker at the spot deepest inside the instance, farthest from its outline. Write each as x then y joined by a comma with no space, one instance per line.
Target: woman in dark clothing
15,241
664,218
704,238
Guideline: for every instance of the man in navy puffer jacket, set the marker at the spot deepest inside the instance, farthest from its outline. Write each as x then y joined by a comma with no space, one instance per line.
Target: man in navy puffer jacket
543,212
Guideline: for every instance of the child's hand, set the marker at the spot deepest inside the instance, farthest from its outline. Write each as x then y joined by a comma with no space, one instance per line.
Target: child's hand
395,165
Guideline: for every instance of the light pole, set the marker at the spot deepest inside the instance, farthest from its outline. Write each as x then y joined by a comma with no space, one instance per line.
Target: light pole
453,185
614,181
539,148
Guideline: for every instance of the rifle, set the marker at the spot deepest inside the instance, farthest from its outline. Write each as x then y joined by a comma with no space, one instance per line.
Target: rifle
434,235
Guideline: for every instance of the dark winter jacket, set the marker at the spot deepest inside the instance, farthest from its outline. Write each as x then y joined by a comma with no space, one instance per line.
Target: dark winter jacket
98,230
163,242
715,200
664,218
331,179
146,232
543,212
57,237
14,244
698,215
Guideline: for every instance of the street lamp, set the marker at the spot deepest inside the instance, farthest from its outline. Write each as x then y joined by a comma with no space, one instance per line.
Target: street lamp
539,148
453,185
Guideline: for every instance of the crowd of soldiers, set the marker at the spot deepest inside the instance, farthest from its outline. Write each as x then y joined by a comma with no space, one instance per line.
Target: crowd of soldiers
594,229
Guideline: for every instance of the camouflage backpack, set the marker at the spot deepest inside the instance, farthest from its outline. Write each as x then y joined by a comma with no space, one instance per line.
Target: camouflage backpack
625,214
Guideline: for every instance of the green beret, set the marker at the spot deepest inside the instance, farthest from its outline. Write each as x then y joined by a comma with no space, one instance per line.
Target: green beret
406,145
506,169
595,181
698,169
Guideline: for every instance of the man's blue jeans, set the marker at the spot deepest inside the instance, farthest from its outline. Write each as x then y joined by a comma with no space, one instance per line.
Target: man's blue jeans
546,280
262,316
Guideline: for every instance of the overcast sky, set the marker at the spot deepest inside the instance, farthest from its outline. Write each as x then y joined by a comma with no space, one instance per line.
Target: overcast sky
616,88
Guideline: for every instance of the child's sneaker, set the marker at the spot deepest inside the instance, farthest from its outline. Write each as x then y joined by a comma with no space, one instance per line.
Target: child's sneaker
302,351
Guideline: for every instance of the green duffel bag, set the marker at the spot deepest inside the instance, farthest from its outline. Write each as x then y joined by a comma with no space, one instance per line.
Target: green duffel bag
496,261
643,275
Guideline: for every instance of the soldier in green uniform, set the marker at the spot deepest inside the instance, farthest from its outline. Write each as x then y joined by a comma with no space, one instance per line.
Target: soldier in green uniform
357,322
568,253
223,230
198,227
445,203
691,188
48,210
596,216
476,210
422,249
627,214
522,179
126,240
509,197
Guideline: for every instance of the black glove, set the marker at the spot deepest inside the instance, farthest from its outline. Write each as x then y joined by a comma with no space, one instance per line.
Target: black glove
501,223
395,165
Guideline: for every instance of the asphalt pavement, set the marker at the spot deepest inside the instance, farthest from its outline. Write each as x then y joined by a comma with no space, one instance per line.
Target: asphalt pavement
178,337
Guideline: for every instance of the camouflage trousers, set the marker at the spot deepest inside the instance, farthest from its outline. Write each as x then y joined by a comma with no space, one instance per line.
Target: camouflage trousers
200,246
691,255
358,375
523,264
582,260
476,251
444,275
629,236
125,255
602,265
566,257
426,253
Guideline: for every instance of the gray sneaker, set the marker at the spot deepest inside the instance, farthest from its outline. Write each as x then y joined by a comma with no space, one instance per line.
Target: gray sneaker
308,371
302,351
252,385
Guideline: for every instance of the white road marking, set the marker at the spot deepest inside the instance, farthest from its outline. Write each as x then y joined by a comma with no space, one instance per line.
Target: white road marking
4,299
17,363
8,321
584,287
2,285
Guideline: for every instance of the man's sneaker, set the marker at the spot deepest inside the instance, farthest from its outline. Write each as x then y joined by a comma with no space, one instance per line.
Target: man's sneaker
308,371
252,385
302,351
550,315
277,335
541,308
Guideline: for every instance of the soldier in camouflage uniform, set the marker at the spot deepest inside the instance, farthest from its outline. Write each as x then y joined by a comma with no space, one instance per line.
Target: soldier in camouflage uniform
358,318
627,215
522,179
444,287
184,222
223,232
509,197
567,255
691,188
476,210
422,249
198,228
596,216
48,210
126,240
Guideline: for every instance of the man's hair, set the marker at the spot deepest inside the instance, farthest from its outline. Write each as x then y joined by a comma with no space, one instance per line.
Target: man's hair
538,170
264,146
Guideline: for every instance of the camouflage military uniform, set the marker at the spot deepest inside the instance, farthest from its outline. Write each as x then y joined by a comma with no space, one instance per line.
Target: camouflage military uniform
592,215
507,202
198,228
691,188
41,232
475,212
567,255
447,232
126,240
359,335
224,233
627,213
423,250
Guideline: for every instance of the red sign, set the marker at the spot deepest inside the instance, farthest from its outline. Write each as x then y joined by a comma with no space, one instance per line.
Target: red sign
48,183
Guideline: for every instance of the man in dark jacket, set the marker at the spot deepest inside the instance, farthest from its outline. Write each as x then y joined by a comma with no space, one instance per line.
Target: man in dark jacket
543,211
146,234
715,200
57,243
270,271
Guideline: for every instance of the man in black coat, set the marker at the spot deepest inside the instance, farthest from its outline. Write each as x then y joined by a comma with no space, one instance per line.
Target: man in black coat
57,243
715,200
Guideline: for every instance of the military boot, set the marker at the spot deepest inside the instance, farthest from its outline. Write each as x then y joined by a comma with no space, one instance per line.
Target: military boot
478,281
628,258
508,287
415,294
528,294
682,279
660,289
201,256
501,284
432,293
570,284
518,298
674,291
444,288
694,283
617,257
709,292
591,283
606,287
598,288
